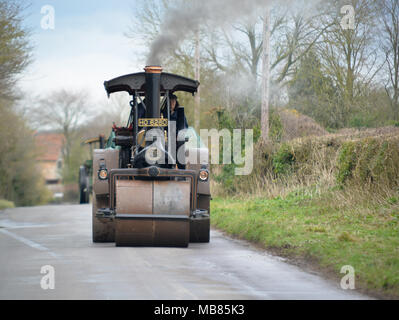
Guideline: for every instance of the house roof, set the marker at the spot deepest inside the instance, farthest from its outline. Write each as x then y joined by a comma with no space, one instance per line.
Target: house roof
49,146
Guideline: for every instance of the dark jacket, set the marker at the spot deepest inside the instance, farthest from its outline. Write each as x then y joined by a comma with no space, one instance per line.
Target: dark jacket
173,117
141,114
141,111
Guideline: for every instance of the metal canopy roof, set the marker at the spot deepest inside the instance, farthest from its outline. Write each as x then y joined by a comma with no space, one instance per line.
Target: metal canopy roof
136,82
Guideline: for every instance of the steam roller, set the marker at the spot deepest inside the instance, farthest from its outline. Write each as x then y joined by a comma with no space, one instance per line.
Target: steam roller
151,182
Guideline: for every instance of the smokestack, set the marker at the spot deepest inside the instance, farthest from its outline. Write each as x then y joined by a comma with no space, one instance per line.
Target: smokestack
153,91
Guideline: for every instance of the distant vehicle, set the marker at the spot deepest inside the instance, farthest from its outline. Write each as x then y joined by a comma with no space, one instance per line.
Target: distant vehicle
142,194
86,170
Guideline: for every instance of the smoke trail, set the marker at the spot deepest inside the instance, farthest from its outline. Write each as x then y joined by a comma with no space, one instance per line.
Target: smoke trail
182,21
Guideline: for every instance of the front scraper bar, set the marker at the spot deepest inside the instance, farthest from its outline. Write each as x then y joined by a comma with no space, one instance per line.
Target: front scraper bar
165,217
107,213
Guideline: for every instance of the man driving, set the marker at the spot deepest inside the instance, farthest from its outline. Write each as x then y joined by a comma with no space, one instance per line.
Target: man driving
174,106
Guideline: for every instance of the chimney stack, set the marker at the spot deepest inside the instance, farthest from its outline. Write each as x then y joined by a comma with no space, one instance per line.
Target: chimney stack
153,91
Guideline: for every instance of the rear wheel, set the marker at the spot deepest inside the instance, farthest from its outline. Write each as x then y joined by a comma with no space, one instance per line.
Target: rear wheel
200,230
103,229
84,195
200,227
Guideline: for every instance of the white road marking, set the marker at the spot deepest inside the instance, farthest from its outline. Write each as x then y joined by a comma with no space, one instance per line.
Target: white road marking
28,242
9,224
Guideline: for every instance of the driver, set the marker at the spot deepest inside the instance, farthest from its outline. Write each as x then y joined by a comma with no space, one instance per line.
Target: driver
174,106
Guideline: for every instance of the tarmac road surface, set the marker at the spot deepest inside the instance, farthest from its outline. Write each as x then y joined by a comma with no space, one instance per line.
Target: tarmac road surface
60,236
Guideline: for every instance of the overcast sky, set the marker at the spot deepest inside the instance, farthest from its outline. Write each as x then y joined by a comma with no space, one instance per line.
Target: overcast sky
86,47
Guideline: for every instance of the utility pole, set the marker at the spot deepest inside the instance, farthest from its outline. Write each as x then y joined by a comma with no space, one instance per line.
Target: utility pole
197,112
266,76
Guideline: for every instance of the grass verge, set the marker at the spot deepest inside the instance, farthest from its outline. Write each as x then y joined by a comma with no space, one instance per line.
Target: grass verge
4,204
322,232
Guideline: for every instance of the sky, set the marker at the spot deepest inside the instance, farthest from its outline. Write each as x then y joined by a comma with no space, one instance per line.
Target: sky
86,47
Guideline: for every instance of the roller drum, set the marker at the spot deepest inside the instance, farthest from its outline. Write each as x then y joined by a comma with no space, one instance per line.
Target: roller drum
152,213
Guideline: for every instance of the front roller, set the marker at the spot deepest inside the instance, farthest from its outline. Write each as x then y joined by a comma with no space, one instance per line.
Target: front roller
152,213
160,231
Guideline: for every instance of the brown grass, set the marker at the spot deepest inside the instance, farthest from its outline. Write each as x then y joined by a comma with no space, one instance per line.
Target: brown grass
297,125
316,167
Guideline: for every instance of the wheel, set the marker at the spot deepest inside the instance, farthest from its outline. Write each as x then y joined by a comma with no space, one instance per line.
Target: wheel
200,230
84,196
103,229
200,227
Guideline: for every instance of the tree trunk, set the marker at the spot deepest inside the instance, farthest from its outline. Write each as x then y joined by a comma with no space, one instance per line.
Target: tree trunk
266,77
197,113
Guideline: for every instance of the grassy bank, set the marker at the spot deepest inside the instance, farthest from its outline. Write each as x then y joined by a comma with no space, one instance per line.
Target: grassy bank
346,212
4,204
322,230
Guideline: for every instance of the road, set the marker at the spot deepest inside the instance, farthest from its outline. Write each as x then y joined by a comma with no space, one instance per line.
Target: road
60,236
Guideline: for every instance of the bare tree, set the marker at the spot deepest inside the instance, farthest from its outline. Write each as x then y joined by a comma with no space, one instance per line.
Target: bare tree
115,110
240,48
296,39
293,35
349,55
390,46
62,111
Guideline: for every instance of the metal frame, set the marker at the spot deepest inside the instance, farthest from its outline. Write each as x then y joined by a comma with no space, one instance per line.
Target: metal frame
170,217
136,96
136,115
168,108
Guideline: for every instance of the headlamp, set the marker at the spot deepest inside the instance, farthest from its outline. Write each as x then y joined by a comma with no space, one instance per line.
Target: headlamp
203,175
103,174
